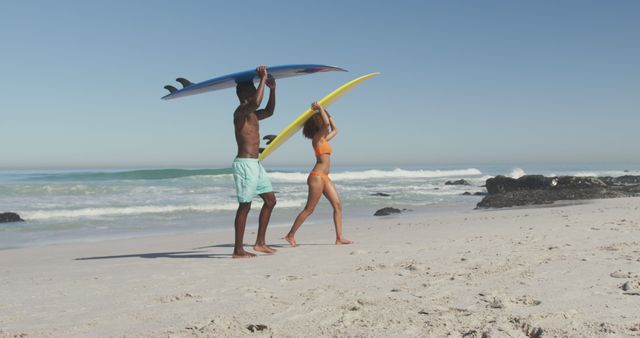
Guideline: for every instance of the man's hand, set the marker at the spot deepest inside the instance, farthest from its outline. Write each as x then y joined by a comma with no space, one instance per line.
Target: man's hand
316,106
271,83
262,72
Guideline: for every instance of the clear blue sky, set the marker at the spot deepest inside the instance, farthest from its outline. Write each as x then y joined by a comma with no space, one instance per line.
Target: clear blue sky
462,81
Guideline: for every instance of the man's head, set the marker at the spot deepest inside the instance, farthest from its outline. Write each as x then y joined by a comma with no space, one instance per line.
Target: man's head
245,90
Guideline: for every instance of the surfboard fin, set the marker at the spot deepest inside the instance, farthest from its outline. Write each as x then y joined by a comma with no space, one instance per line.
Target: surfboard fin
184,82
260,150
171,89
269,138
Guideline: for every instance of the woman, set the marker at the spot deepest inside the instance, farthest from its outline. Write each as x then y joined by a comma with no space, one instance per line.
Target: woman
320,128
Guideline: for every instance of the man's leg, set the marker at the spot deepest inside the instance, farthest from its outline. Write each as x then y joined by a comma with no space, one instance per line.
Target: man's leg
269,199
240,224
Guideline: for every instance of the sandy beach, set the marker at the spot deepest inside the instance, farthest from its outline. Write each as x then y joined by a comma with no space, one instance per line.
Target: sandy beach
564,271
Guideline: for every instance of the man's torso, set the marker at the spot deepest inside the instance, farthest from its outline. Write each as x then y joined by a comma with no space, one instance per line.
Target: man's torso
247,130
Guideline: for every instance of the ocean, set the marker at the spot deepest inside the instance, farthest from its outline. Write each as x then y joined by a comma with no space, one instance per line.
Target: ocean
87,205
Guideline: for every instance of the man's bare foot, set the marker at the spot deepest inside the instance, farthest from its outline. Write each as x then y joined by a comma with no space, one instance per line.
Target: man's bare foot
343,241
243,254
264,248
291,240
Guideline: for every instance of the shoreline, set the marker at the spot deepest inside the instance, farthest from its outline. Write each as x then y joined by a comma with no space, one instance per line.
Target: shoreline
321,216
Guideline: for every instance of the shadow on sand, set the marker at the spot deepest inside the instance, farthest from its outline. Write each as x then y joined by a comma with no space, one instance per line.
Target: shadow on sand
175,254
278,246
194,253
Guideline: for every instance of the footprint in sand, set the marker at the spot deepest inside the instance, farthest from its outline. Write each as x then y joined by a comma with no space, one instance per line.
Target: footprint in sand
631,288
176,298
411,266
290,278
620,246
213,328
526,300
253,292
358,306
620,274
526,328
366,268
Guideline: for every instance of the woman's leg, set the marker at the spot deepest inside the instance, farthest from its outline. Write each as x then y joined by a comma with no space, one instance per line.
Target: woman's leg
331,194
315,192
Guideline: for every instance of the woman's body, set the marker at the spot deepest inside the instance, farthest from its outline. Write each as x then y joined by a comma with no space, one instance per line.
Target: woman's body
320,128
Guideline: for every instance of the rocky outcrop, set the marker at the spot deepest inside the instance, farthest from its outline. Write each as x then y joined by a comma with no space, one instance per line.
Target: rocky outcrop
477,193
537,189
7,217
458,182
380,194
387,211
621,180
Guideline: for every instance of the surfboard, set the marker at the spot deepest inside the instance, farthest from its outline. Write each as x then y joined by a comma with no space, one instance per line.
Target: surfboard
228,81
297,124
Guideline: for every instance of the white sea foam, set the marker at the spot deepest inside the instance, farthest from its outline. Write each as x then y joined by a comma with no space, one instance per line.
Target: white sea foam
377,174
517,173
140,210
613,173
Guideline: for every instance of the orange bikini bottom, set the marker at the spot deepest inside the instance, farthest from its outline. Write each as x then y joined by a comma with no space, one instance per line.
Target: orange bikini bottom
325,177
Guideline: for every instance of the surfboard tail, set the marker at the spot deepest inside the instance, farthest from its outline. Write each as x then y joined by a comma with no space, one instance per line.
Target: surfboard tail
171,89
269,138
184,82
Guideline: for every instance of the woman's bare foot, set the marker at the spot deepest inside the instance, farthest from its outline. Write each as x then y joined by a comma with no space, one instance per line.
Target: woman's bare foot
341,241
243,254
264,248
291,240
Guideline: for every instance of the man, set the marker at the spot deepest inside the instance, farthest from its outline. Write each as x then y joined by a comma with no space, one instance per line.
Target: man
248,173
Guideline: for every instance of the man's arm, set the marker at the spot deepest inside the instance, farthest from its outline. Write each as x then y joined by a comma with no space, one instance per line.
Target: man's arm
257,99
271,105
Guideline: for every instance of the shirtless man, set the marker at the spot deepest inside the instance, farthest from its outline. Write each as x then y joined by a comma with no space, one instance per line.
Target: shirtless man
249,175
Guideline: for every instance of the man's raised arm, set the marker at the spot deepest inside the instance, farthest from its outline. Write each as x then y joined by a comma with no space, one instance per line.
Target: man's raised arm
271,105
262,73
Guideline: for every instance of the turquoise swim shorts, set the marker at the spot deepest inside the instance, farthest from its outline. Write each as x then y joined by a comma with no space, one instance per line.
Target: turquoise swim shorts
251,179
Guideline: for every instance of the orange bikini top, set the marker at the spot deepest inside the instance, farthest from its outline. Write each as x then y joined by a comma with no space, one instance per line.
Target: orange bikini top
322,148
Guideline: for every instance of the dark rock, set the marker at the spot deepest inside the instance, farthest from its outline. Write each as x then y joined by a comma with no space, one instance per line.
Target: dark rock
8,217
387,211
458,182
622,180
480,193
502,184
576,182
380,194
259,327
466,193
537,189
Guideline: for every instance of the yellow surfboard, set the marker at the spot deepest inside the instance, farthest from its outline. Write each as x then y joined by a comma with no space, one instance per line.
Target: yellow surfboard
296,125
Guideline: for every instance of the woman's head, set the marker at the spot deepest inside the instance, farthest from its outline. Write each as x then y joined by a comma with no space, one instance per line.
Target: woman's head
312,126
